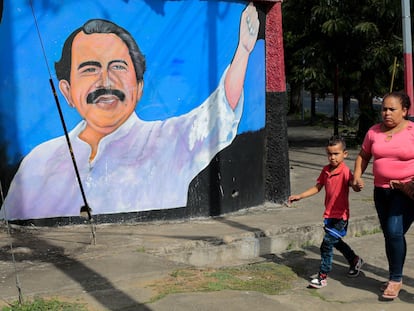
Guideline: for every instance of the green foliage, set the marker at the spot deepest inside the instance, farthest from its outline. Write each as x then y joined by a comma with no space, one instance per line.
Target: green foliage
367,29
358,40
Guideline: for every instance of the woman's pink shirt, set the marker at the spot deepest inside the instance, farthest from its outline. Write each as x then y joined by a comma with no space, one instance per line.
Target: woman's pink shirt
393,158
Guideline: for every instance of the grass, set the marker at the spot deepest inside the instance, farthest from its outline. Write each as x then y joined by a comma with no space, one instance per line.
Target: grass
141,249
265,277
39,304
368,232
269,278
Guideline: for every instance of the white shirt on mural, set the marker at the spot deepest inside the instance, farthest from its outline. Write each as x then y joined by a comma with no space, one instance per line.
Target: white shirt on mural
141,166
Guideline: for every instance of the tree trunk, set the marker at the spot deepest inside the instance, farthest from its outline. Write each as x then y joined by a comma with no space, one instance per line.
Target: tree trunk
295,99
313,107
366,115
346,107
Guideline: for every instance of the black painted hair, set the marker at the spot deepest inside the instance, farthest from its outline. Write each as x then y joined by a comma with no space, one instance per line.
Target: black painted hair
92,26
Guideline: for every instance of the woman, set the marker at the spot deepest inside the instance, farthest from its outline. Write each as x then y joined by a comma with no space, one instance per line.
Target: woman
391,144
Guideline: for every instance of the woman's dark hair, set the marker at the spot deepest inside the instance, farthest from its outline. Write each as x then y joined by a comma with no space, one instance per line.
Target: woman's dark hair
92,26
404,98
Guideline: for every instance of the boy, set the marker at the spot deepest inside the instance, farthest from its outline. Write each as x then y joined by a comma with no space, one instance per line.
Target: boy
336,177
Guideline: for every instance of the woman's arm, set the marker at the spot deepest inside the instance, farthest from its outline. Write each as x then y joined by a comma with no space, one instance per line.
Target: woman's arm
361,164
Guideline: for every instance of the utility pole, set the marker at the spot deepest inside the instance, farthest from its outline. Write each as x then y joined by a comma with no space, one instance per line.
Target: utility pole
408,59
277,180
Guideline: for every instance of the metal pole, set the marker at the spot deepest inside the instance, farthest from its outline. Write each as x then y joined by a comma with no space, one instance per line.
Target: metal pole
85,210
408,59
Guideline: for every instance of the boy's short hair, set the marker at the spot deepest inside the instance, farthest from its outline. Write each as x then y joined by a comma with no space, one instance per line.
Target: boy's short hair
335,140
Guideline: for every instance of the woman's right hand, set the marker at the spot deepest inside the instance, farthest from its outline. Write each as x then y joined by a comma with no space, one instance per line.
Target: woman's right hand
396,184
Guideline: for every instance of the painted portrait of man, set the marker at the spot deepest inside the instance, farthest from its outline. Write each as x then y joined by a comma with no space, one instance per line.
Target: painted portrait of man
125,163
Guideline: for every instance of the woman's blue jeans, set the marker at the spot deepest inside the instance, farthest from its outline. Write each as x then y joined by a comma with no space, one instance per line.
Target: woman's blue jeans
396,214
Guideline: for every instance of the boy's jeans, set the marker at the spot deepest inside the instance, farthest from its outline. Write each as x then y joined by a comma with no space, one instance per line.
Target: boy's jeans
335,230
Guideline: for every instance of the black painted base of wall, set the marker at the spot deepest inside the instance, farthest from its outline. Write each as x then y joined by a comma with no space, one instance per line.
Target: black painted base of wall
234,180
252,170
277,148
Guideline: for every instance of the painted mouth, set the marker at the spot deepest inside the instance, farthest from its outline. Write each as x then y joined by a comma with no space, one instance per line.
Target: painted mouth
105,96
105,100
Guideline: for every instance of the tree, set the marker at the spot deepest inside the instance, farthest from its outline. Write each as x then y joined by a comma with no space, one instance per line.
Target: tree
359,38
305,68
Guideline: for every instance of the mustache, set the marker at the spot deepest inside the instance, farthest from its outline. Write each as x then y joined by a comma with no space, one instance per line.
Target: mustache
93,96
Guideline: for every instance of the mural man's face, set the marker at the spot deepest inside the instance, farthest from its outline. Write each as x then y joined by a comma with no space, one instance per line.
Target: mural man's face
103,86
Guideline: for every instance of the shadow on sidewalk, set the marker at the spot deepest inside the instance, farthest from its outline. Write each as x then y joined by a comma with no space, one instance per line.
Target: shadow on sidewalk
305,267
40,251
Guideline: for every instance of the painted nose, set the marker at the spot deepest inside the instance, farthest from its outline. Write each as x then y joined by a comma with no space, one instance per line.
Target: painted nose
104,80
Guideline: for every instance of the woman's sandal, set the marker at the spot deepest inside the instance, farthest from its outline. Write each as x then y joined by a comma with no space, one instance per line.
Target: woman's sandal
392,290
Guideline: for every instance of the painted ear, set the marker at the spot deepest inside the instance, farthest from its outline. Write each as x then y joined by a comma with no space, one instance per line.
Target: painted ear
140,88
64,88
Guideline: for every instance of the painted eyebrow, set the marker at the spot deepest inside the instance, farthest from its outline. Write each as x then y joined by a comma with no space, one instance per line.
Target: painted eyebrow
118,61
97,64
89,63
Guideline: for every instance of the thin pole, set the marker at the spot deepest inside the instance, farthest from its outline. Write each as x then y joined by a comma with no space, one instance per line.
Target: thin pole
85,209
408,59
394,67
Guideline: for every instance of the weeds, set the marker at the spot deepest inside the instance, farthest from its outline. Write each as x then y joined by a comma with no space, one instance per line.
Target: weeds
269,278
39,304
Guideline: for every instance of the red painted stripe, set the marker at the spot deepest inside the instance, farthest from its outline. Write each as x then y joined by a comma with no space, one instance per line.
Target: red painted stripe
275,62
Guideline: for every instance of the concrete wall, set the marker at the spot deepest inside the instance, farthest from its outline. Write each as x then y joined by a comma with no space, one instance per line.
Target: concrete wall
188,48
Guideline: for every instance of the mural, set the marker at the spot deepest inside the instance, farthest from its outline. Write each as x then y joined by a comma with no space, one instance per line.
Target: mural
136,137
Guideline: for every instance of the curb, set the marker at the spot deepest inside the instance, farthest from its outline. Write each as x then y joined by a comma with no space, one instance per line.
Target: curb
249,246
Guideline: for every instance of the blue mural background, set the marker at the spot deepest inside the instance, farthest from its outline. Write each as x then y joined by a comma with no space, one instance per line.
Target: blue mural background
187,44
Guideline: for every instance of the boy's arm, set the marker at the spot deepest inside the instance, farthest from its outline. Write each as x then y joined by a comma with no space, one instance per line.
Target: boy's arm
311,191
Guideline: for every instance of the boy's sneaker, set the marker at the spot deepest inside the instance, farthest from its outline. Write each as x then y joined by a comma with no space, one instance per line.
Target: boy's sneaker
319,281
356,267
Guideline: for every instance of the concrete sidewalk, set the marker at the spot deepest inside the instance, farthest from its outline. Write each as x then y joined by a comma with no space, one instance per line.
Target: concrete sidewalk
114,274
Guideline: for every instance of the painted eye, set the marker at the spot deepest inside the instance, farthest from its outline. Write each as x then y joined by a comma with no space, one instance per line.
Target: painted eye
91,69
119,67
